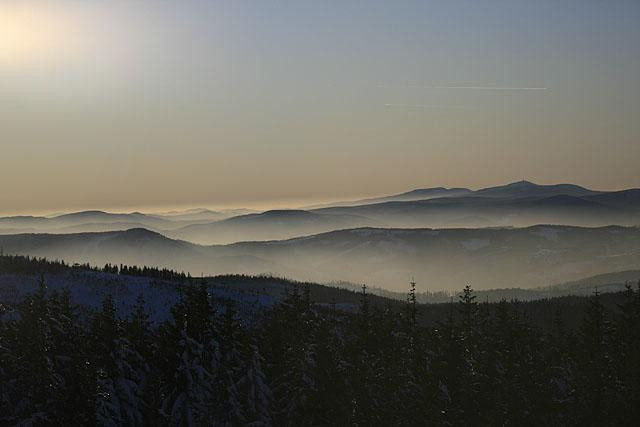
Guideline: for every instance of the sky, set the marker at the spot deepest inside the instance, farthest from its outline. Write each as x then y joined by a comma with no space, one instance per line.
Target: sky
153,104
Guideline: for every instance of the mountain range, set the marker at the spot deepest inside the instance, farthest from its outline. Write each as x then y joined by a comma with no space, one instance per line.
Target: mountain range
269,225
438,259
445,237
518,204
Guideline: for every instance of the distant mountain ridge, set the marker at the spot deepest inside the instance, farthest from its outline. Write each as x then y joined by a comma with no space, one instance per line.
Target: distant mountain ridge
269,225
438,258
512,190
529,189
412,195
97,221
518,204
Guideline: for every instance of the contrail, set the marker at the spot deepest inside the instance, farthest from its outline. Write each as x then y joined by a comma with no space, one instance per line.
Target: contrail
444,107
466,87
486,87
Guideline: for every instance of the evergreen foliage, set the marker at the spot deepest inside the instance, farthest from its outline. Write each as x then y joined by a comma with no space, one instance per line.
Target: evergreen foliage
307,364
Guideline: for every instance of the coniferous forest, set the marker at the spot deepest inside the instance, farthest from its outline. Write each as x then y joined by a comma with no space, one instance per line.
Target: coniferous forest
303,363
319,213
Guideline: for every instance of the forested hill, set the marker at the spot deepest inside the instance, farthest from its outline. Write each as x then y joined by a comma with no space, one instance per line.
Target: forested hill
603,283
87,286
303,363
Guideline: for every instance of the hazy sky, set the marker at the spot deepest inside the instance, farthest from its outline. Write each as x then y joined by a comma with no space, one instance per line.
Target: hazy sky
136,104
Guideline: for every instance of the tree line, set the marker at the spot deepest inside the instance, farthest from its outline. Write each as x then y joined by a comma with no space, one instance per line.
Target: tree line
29,264
306,364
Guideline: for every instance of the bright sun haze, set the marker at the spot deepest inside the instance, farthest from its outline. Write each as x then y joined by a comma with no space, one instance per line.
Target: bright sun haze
151,104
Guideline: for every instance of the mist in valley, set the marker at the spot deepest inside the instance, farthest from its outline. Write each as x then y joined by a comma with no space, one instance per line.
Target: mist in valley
250,213
368,243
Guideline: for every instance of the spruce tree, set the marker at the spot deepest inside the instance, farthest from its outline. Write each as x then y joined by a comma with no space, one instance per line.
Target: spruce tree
256,392
38,384
595,388
628,356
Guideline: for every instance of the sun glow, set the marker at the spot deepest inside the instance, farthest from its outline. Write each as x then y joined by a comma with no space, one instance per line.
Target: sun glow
30,34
